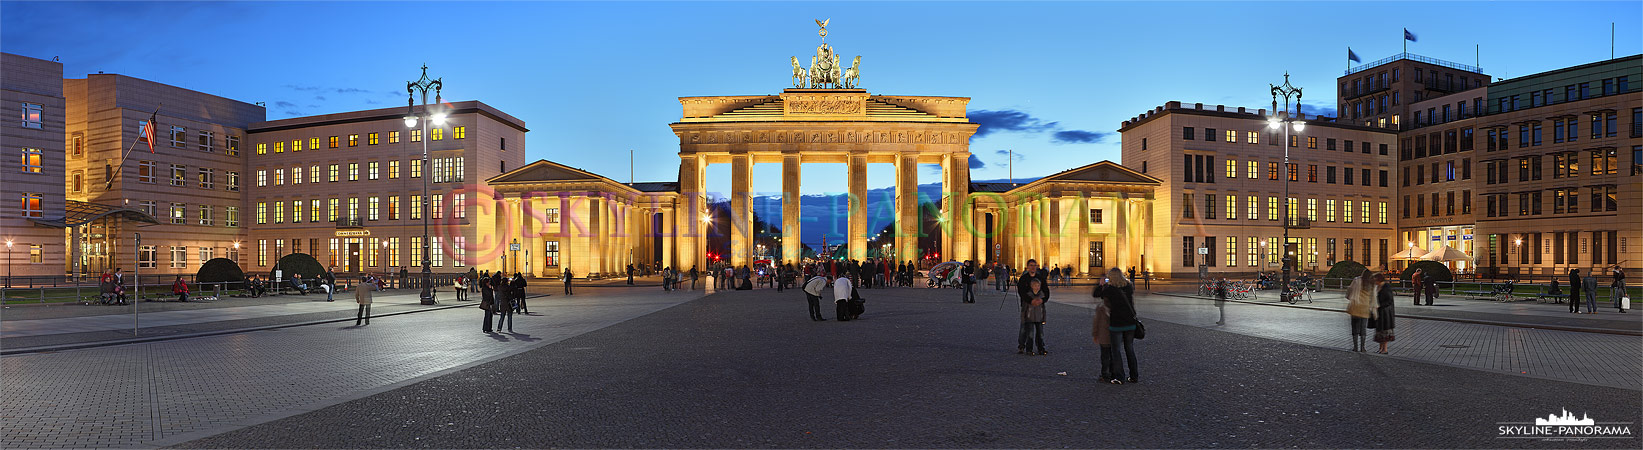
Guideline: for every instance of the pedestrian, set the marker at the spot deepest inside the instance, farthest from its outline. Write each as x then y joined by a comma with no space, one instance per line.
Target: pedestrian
967,281
1103,338
180,288
504,303
516,291
777,276
1386,317
461,288
812,295
1360,306
1122,323
693,275
1574,291
1221,301
1034,320
1589,284
330,283
1146,278
402,275
1419,281
842,288
487,301
1025,296
630,274
362,295
1617,289
567,275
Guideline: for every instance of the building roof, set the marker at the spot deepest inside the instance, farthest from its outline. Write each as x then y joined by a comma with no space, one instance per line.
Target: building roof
543,171
655,186
811,105
393,113
993,187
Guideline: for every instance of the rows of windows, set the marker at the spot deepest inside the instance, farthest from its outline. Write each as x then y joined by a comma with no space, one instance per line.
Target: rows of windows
1260,251
1602,161
353,140
1200,168
1565,200
1218,206
1571,92
374,252
1253,137
204,178
205,215
1565,247
446,170
377,208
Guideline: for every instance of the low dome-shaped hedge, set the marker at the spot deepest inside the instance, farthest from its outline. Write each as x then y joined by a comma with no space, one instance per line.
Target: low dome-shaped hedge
219,270
299,263
1434,271
1345,269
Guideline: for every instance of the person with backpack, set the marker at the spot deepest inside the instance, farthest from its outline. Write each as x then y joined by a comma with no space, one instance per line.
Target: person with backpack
1122,323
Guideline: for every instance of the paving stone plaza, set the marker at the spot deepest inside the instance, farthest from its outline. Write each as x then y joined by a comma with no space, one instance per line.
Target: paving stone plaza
618,366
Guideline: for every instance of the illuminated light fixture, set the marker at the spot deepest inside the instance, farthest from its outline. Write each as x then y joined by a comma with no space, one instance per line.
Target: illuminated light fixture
410,121
439,119
1273,123
1300,125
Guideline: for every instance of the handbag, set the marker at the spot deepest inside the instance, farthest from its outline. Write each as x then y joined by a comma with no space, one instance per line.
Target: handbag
1140,330
487,305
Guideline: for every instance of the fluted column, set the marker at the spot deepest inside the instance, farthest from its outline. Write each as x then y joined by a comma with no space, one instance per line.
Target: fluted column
791,240
741,209
688,236
857,220
907,213
955,170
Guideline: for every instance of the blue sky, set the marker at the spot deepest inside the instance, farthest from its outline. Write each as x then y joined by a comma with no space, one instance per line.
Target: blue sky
593,80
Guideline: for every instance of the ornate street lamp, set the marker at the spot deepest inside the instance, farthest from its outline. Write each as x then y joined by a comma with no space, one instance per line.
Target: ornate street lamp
1286,121
411,120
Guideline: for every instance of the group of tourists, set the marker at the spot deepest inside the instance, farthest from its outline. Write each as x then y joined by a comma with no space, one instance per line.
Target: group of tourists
1586,281
500,298
847,301
1369,305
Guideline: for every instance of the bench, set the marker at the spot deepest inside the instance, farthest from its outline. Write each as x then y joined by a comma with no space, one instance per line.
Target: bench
1498,292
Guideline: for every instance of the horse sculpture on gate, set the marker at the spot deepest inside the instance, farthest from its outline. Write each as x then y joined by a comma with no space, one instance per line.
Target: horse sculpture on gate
800,76
852,74
824,71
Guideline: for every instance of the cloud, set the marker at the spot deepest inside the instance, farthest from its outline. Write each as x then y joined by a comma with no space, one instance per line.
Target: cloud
319,97
284,104
1077,137
1312,111
293,113
975,163
1007,154
1007,120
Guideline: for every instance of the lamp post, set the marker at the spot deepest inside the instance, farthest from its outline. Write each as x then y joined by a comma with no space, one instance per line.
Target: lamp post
8,263
1286,121
1519,251
411,121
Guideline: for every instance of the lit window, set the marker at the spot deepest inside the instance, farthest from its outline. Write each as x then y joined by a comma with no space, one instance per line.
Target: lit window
296,145
208,178
313,143
206,216
1253,138
279,147
353,140
436,134
31,161
393,170
416,168
178,174
336,170
31,205
1254,169
393,137
207,141
279,177
1232,136
262,148
296,175
233,145
459,132
279,212
313,173
393,207
262,178
233,181
334,142
331,209
416,135
371,139
145,257
371,206
353,171
1232,169
178,213
458,206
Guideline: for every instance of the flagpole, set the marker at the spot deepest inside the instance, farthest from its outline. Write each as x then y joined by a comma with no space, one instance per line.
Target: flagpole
120,168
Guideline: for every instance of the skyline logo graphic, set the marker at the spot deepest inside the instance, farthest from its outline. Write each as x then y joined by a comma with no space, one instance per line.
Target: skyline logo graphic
1567,419
1565,428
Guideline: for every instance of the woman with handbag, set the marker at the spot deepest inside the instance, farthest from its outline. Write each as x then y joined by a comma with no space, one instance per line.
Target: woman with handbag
1617,289
1385,316
1122,324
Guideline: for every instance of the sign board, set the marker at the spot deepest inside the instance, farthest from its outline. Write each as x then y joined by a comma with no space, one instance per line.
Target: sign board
353,233
1203,250
513,246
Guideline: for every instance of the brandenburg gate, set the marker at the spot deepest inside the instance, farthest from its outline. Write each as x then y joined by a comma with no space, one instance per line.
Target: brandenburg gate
823,119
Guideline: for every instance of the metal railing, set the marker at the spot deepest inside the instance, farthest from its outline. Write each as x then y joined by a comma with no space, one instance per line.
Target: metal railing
1416,58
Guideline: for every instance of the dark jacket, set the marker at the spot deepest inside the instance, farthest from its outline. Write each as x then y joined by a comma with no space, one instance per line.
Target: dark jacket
1120,305
1023,291
1385,316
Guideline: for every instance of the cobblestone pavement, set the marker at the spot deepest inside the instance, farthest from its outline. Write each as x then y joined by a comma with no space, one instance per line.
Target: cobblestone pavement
1588,358
1459,307
921,370
139,394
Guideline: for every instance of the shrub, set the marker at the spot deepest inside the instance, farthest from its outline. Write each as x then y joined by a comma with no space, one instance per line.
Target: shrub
299,263
220,270
1345,269
1435,271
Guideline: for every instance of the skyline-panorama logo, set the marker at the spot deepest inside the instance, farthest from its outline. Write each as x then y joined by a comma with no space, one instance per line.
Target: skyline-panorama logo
1565,427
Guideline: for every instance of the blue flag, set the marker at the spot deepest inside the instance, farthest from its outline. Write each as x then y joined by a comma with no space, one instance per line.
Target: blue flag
1352,56
1408,36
